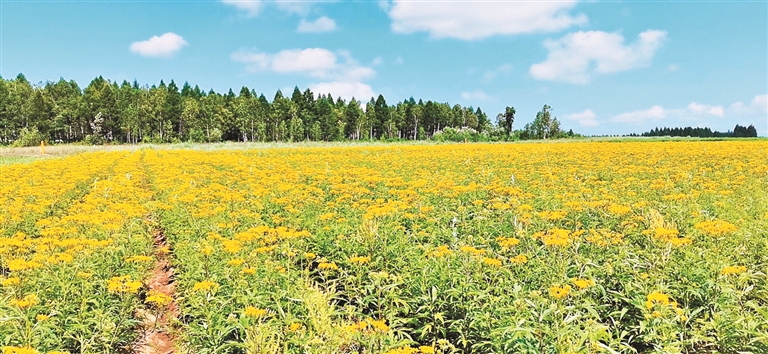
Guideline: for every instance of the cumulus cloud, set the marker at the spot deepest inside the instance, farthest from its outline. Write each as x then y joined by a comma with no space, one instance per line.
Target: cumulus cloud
470,20
585,119
578,56
502,70
250,7
346,90
758,106
700,109
477,96
322,24
316,62
165,45
651,114
339,73
692,111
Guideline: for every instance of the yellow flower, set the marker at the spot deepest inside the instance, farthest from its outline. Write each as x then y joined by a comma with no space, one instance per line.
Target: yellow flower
716,227
295,327
236,262
232,246
42,318
507,242
555,237
251,311
519,259
360,260
378,325
426,349
11,281
310,255
492,262
158,299
207,250
733,270
441,251
559,292
248,270
471,250
19,350
583,283
327,266
20,264
26,302
205,285
123,284
84,275
656,298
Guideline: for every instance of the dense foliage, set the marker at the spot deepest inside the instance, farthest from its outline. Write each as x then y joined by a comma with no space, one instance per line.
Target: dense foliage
629,247
699,132
106,111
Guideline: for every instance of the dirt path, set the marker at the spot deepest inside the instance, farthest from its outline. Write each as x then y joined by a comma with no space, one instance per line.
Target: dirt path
156,335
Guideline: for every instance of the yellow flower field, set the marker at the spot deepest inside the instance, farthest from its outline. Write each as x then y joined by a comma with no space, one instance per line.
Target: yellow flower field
594,247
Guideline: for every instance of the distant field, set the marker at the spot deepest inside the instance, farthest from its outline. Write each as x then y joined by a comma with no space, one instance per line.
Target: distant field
576,247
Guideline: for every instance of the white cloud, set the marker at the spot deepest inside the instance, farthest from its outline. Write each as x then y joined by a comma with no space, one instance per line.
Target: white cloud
250,7
700,109
651,114
673,67
315,62
300,7
339,72
585,119
502,70
377,61
347,90
165,45
578,56
759,105
322,24
471,20
399,61
477,96
692,111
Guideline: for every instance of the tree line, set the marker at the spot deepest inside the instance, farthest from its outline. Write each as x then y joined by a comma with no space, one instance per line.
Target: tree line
105,111
702,132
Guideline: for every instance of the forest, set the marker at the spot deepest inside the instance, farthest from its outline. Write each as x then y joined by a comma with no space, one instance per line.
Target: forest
108,112
703,132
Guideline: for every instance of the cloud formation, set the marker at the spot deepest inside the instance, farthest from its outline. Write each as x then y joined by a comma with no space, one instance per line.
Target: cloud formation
502,70
340,74
758,106
479,95
346,90
585,119
165,45
692,111
577,57
470,20
250,7
322,24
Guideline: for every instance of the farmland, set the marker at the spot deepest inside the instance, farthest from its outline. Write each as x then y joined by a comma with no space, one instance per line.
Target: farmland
584,247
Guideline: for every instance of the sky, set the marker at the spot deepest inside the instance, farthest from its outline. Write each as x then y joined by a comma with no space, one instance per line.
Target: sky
605,67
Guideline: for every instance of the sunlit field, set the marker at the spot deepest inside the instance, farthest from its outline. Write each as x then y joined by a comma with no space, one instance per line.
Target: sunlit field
593,247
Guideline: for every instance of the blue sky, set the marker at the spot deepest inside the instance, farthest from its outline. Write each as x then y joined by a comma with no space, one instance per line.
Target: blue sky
605,67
